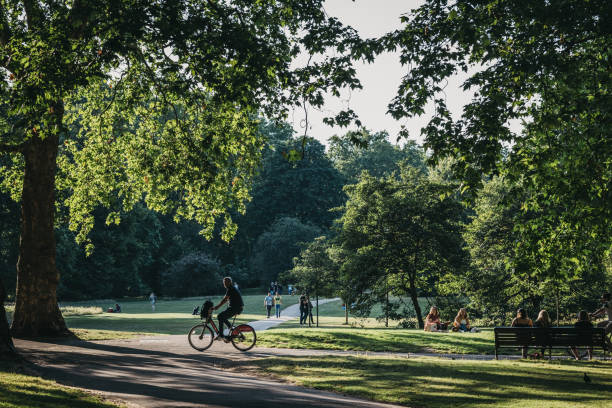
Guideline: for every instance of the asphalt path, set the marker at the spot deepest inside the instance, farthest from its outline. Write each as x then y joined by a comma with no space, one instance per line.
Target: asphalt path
164,371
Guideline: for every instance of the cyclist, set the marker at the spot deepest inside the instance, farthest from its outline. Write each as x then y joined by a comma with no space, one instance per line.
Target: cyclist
606,308
235,306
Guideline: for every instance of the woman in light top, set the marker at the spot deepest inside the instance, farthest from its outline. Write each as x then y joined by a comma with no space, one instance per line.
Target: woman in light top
277,304
462,323
432,321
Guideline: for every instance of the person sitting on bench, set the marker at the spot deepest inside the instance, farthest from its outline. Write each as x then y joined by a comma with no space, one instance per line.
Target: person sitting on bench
605,309
583,324
521,320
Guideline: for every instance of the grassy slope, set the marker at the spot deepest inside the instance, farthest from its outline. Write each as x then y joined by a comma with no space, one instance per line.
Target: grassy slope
436,383
18,390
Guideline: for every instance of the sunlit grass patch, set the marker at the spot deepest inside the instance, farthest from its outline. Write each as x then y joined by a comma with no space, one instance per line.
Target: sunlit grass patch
95,334
379,339
19,390
433,382
80,310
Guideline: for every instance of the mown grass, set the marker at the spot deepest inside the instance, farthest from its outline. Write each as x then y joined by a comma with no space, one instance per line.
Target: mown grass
89,320
433,382
20,390
379,339
169,317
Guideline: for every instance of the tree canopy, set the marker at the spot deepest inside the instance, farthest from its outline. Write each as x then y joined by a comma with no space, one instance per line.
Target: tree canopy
546,64
399,237
152,101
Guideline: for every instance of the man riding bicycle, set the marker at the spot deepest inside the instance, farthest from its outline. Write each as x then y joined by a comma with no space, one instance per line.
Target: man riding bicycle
605,309
235,307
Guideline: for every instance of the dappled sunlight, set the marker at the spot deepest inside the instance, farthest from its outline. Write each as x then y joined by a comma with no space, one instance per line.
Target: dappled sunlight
438,382
24,391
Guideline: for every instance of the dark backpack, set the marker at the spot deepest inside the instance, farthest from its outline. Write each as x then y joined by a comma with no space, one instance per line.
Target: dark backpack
205,311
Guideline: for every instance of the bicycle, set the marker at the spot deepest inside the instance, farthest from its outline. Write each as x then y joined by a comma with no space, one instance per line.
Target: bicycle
202,335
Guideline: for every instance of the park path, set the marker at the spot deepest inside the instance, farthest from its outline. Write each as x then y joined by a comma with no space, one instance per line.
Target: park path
289,313
164,371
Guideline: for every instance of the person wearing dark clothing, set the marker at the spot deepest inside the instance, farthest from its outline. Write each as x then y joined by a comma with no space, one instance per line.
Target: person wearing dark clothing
543,322
117,308
235,306
310,307
583,324
303,309
521,320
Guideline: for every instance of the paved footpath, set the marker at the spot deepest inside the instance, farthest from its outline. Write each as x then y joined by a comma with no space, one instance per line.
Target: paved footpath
164,371
289,313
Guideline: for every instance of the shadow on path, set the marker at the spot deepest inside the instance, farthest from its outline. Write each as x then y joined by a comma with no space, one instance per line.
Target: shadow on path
170,374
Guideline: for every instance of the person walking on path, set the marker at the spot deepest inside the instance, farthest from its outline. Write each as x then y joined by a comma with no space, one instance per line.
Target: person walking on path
303,310
277,304
268,301
153,299
310,307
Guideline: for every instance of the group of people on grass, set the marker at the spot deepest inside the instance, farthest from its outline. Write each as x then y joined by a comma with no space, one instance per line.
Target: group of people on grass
433,323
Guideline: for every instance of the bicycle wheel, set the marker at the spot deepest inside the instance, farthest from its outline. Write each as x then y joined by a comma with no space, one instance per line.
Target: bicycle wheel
200,337
243,337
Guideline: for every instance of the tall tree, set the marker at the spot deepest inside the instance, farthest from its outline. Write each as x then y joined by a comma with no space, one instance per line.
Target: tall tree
399,237
159,99
544,63
313,271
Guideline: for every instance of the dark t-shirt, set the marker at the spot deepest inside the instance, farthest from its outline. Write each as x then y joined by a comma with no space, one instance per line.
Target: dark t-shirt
235,299
583,324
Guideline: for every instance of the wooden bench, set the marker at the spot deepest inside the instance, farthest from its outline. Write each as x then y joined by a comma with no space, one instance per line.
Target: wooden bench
550,338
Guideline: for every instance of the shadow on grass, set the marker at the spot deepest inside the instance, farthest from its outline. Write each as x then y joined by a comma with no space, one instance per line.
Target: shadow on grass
383,340
440,383
18,389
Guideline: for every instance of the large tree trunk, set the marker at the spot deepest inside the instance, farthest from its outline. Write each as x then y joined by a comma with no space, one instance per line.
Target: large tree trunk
36,310
6,342
415,303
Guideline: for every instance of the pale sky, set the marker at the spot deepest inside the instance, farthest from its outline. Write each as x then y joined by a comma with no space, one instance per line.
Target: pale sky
380,80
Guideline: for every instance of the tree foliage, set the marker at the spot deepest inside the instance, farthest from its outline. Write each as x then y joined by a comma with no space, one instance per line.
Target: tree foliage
355,152
399,237
152,101
546,64
275,249
314,272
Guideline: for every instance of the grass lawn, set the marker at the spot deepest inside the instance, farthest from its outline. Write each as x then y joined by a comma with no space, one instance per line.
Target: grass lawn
379,339
19,390
170,317
433,382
